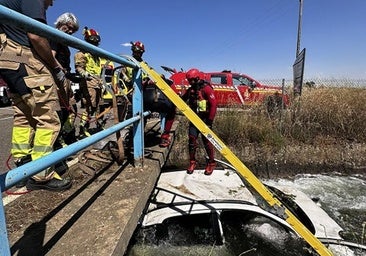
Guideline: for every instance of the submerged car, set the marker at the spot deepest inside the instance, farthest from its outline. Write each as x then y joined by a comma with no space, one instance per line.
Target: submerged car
217,215
236,89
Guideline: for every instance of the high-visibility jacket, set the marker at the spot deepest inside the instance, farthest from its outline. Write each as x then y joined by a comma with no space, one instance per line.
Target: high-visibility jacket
89,63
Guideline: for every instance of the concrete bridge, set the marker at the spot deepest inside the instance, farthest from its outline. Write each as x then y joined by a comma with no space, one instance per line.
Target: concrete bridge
97,216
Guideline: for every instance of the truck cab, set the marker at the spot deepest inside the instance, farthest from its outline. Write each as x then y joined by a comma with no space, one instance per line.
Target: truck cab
235,89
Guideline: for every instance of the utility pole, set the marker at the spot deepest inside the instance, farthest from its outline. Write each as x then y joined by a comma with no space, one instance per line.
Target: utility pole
299,28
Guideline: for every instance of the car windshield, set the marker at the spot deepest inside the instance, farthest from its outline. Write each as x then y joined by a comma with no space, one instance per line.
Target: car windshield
242,80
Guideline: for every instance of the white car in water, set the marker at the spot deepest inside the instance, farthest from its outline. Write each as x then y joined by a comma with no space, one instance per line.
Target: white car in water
218,215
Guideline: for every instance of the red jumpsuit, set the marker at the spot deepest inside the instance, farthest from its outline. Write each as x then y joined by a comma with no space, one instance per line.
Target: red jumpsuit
202,101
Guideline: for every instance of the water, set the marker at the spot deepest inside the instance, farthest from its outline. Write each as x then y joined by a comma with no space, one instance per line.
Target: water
342,197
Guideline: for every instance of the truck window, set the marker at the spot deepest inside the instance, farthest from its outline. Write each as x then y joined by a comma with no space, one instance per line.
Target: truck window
218,79
242,80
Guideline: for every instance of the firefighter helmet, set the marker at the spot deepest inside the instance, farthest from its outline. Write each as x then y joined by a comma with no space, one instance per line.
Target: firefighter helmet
193,73
137,46
91,36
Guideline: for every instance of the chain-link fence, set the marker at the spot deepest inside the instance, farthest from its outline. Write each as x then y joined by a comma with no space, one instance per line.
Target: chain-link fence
319,82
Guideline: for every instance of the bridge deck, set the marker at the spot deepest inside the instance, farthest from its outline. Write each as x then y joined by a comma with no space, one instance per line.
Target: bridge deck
97,216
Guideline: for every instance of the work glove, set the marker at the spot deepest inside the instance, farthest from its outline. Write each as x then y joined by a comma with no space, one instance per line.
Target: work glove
209,123
59,76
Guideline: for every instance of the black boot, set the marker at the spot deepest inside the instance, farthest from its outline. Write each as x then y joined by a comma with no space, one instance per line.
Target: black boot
51,185
19,162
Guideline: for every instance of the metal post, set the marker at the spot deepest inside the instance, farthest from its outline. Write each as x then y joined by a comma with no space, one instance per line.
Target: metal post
299,28
138,128
4,242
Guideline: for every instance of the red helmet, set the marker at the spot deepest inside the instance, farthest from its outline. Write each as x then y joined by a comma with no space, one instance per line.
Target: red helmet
193,74
137,47
91,36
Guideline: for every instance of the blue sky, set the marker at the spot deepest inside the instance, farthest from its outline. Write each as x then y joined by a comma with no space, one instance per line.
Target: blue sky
255,37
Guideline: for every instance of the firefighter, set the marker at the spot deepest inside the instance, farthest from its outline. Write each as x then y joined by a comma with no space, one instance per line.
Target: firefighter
154,100
68,23
32,74
200,97
89,67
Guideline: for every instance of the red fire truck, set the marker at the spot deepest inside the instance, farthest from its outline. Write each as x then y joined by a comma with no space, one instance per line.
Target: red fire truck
235,89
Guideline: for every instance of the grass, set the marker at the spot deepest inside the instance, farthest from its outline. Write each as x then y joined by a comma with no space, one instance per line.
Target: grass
323,114
320,116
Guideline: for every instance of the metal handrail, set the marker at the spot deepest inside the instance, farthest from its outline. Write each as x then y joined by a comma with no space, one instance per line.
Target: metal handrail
8,16
9,179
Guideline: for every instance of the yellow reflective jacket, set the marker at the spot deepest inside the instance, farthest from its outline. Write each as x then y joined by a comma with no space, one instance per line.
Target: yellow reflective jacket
85,61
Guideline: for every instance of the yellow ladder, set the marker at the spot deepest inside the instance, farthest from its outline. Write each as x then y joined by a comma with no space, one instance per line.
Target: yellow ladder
243,171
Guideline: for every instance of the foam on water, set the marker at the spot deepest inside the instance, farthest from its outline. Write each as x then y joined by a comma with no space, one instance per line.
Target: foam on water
335,192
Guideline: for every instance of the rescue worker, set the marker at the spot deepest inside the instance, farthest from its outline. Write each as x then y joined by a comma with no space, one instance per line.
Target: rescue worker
32,74
68,23
201,98
154,100
89,67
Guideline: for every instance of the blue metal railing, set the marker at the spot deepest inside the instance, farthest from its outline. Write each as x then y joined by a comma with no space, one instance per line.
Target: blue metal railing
9,179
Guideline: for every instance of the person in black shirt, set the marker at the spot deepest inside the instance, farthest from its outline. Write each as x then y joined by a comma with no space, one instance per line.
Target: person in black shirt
68,23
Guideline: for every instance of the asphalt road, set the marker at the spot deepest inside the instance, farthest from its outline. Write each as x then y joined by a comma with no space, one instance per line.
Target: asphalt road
6,125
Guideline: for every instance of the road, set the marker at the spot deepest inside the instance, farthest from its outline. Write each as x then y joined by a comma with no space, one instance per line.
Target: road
6,124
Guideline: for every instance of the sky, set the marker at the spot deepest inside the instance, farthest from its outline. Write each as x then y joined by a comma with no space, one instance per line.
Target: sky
255,37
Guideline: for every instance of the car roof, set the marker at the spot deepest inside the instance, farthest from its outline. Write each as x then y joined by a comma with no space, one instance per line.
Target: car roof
177,193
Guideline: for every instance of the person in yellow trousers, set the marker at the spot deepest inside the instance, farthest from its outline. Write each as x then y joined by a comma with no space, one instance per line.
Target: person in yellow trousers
89,67
32,74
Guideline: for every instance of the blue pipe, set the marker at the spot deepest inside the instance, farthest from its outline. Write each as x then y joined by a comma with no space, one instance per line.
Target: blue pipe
8,16
13,176
4,243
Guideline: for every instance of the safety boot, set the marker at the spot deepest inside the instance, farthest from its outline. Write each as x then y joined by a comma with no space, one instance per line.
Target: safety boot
19,162
209,168
192,166
52,185
165,140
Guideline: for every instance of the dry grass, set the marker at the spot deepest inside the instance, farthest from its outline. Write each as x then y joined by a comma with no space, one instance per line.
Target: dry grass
338,113
320,116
